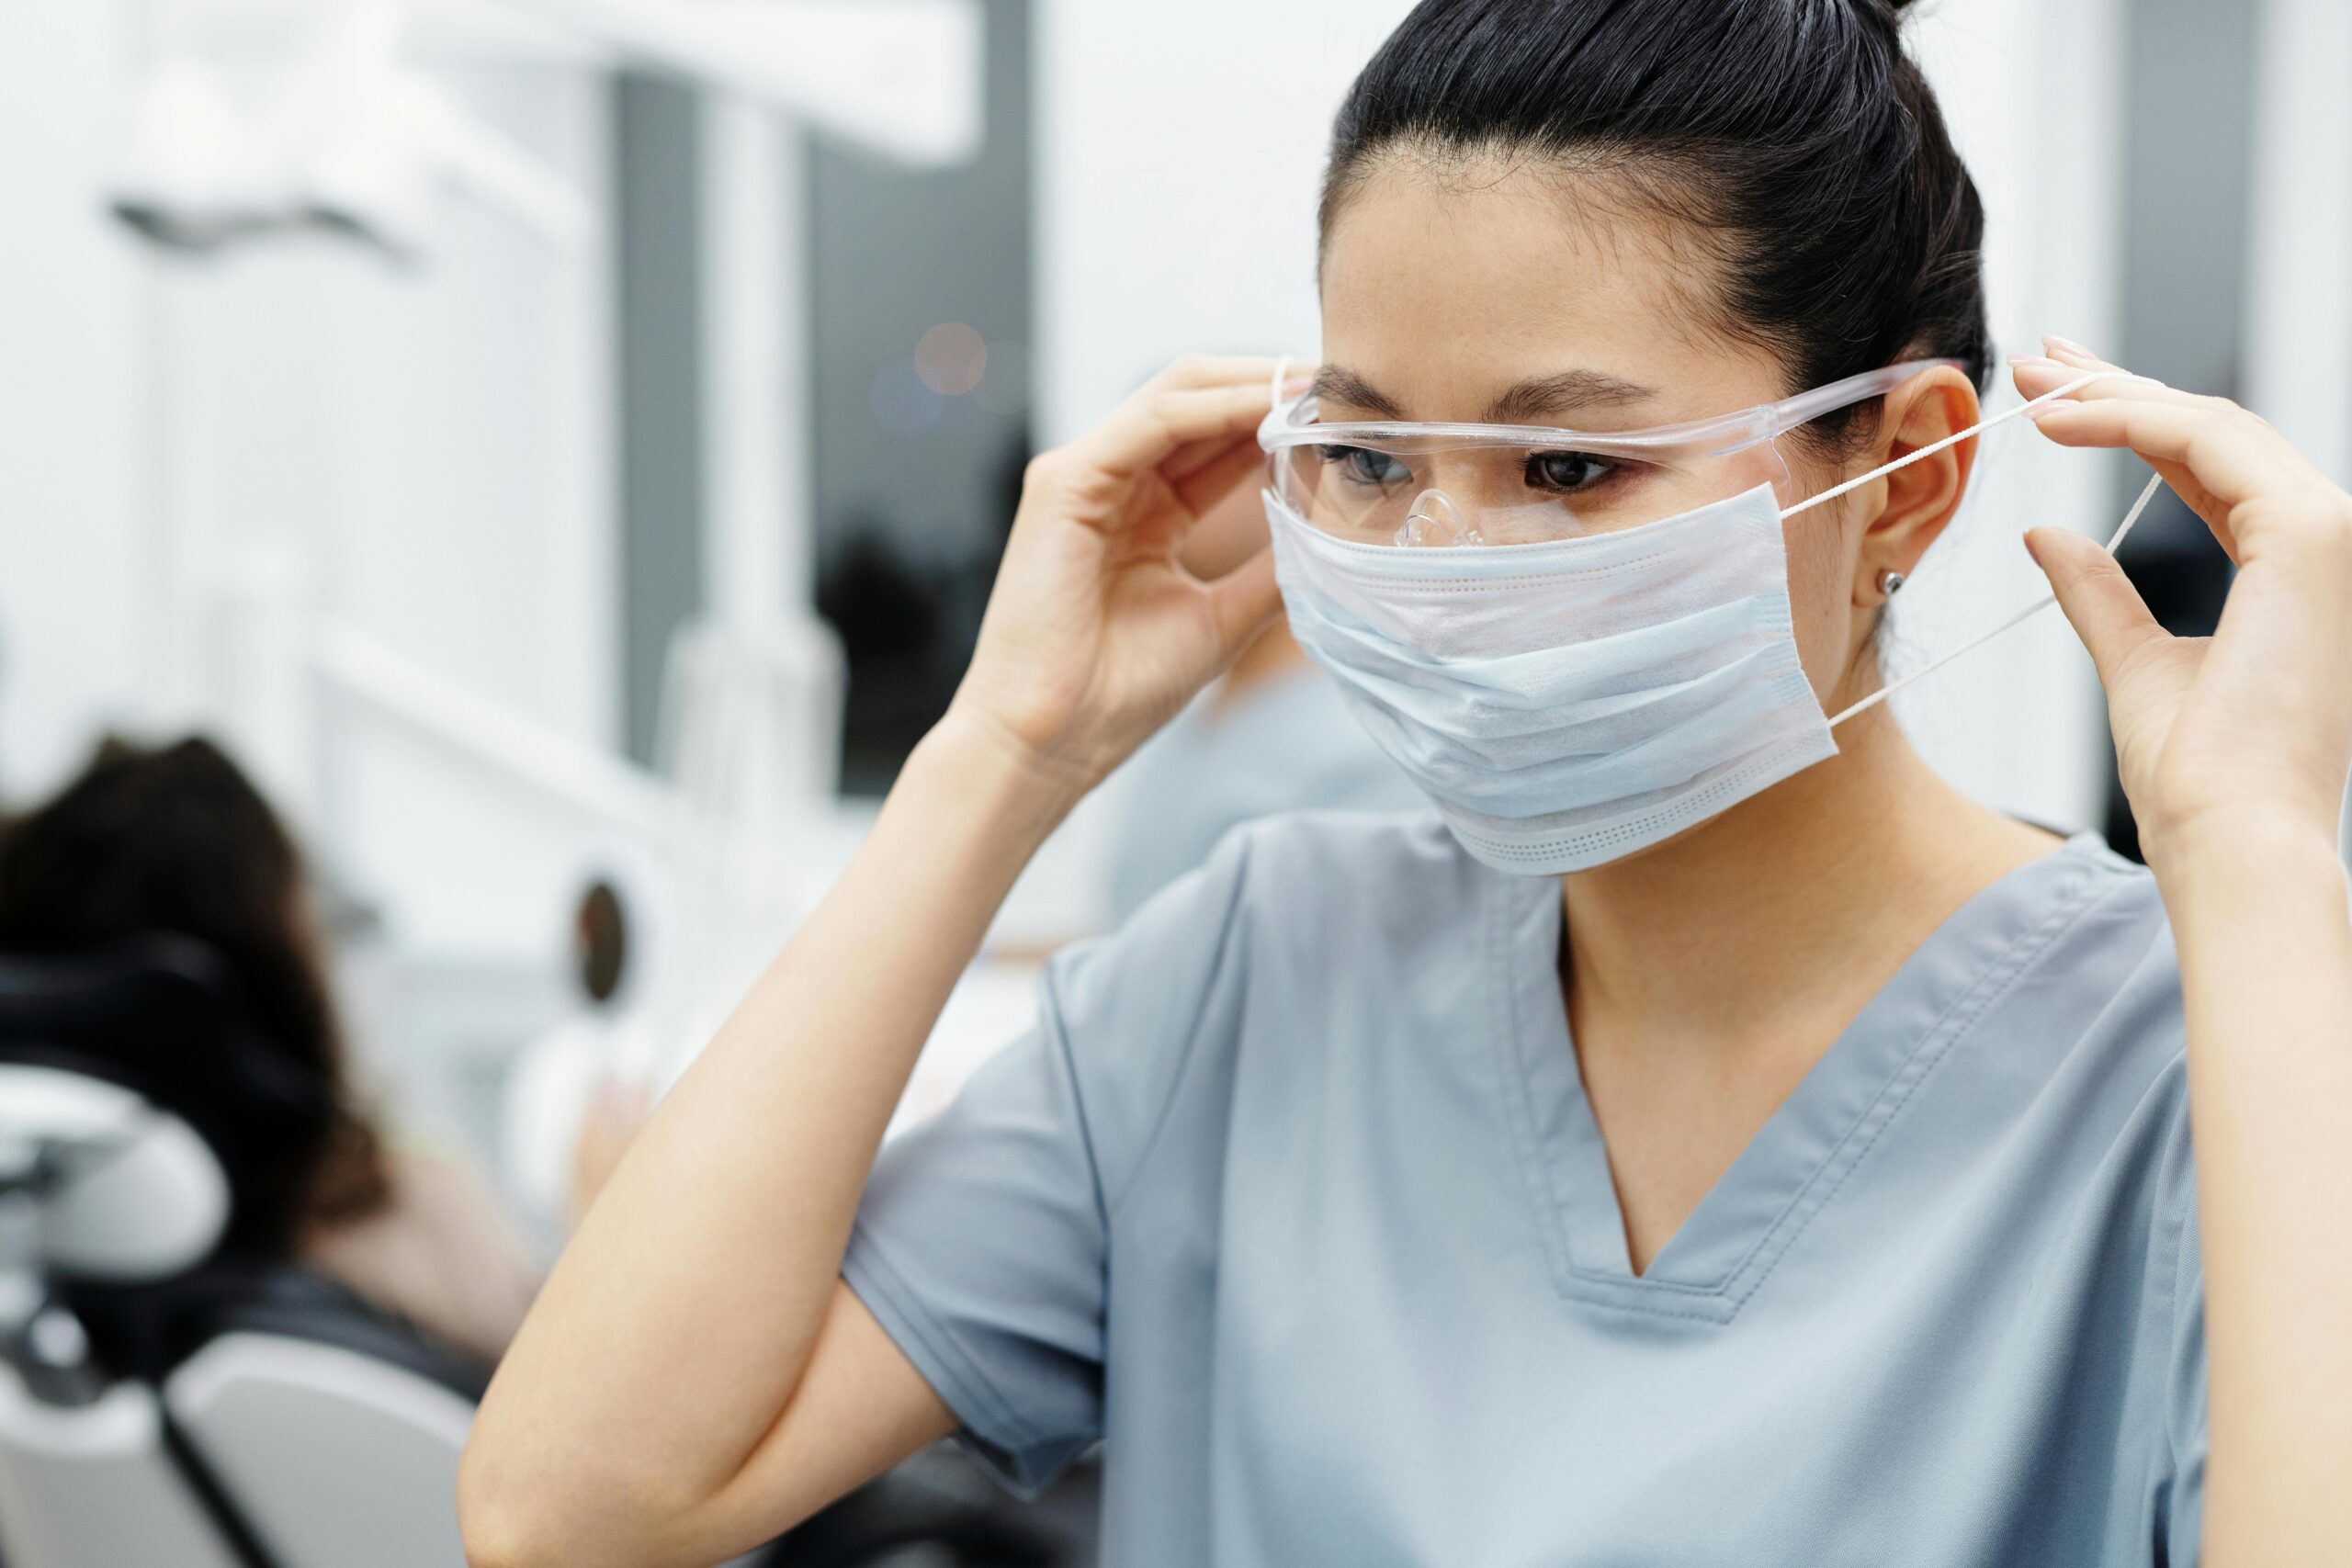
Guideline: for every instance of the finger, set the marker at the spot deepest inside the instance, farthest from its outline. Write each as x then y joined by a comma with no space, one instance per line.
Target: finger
1211,483
2078,361
1151,426
1216,370
2231,455
2038,378
1245,599
2107,612
1186,461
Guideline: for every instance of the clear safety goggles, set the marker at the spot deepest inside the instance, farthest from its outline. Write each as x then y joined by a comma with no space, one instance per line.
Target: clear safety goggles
1410,484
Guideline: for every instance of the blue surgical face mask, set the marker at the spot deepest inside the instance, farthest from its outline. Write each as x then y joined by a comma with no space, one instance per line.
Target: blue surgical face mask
1569,702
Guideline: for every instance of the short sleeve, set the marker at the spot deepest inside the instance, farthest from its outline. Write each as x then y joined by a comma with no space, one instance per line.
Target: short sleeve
982,1240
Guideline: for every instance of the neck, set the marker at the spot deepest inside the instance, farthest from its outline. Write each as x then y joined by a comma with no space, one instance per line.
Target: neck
1798,904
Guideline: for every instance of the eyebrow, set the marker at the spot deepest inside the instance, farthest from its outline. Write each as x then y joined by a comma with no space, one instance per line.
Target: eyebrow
1529,403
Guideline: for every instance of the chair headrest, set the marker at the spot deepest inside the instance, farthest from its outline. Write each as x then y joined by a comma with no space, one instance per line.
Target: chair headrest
100,1052
121,1189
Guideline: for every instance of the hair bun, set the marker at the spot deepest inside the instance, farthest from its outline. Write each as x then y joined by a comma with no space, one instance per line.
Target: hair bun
1888,14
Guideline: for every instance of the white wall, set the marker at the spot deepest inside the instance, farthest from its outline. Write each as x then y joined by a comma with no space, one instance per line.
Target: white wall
2299,294
2034,94
1179,156
2299,306
428,450
74,641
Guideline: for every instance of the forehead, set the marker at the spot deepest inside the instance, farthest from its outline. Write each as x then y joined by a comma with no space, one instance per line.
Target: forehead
1444,278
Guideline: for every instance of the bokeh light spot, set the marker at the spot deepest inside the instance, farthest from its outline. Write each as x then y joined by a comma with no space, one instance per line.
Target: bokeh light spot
951,358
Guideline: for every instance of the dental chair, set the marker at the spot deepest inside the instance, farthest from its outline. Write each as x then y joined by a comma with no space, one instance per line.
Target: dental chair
161,1406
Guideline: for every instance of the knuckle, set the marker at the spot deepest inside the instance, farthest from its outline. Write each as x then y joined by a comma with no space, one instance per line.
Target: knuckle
1044,471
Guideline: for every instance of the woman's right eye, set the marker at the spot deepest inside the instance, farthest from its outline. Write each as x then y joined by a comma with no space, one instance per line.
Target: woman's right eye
1363,466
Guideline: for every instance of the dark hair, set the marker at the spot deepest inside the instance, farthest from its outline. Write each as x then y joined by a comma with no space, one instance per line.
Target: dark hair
177,840
1795,138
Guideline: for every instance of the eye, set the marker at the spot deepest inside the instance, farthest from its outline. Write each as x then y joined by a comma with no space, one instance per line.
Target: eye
1362,466
1569,472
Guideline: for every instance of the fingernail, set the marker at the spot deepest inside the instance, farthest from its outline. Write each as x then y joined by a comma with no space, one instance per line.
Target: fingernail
2036,360
2068,346
2043,411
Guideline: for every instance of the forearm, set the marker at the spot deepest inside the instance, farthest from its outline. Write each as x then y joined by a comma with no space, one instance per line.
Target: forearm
697,1285
2266,953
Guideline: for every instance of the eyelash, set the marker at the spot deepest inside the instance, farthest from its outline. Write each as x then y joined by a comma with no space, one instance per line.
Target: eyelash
1347,459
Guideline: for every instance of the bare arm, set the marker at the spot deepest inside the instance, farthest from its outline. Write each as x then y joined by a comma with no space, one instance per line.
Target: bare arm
2235,753
695,1378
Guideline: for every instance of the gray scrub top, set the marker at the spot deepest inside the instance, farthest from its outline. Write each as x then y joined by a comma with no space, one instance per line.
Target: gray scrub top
1294,1198
1287,744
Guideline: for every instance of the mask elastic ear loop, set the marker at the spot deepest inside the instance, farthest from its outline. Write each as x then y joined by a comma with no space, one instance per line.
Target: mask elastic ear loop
1274,388
1979,428
2146,495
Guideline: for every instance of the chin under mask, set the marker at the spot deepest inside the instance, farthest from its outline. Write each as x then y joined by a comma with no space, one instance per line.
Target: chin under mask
1569,702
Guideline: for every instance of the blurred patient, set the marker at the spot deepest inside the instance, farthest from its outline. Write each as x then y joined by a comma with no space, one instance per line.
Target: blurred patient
1272,736
177,840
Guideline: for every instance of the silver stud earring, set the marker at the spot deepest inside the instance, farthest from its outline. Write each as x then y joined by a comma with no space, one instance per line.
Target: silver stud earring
1889,582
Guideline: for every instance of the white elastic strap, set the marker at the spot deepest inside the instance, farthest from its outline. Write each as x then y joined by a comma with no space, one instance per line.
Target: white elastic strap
1274,388
2148,494
1833,492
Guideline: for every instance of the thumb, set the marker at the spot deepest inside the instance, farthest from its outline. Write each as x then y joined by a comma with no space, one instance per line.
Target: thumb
2107,612
1245,598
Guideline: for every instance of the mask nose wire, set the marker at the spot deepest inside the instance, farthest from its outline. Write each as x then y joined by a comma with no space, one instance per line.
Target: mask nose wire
2156,481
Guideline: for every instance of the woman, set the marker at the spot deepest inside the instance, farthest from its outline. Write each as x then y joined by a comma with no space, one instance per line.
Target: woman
1801,1175
176,838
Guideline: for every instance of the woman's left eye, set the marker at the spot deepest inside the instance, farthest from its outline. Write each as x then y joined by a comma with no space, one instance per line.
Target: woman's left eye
1568,471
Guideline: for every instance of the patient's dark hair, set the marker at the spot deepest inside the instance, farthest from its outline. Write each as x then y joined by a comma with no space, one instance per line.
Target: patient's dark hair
1794,139
177,840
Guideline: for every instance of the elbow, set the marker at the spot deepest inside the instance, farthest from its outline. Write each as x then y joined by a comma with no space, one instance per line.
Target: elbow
522,1510
499,1521
513,1513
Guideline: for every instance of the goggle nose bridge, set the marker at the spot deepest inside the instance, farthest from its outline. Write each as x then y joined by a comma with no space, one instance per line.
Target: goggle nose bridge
1434,519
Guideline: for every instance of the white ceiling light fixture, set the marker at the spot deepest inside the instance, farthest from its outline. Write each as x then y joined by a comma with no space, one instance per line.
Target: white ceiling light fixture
354,142
357,141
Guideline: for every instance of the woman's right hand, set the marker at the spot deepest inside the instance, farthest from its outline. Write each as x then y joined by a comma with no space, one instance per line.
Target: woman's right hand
1095,636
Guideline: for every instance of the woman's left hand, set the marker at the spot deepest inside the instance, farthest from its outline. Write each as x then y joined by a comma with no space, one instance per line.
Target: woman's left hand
2248,731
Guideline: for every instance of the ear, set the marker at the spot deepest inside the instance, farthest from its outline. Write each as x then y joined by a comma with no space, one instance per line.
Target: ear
1922,498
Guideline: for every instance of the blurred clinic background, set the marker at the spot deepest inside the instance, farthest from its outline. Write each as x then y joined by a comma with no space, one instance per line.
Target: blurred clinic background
556,451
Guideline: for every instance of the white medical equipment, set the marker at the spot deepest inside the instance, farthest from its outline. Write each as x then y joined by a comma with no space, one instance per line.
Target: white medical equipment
298,1433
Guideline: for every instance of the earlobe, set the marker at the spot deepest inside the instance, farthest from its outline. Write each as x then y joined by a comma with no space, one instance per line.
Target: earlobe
1922,498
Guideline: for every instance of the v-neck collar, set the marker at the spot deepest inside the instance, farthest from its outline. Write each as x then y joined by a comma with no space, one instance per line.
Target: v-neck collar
1808,1146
